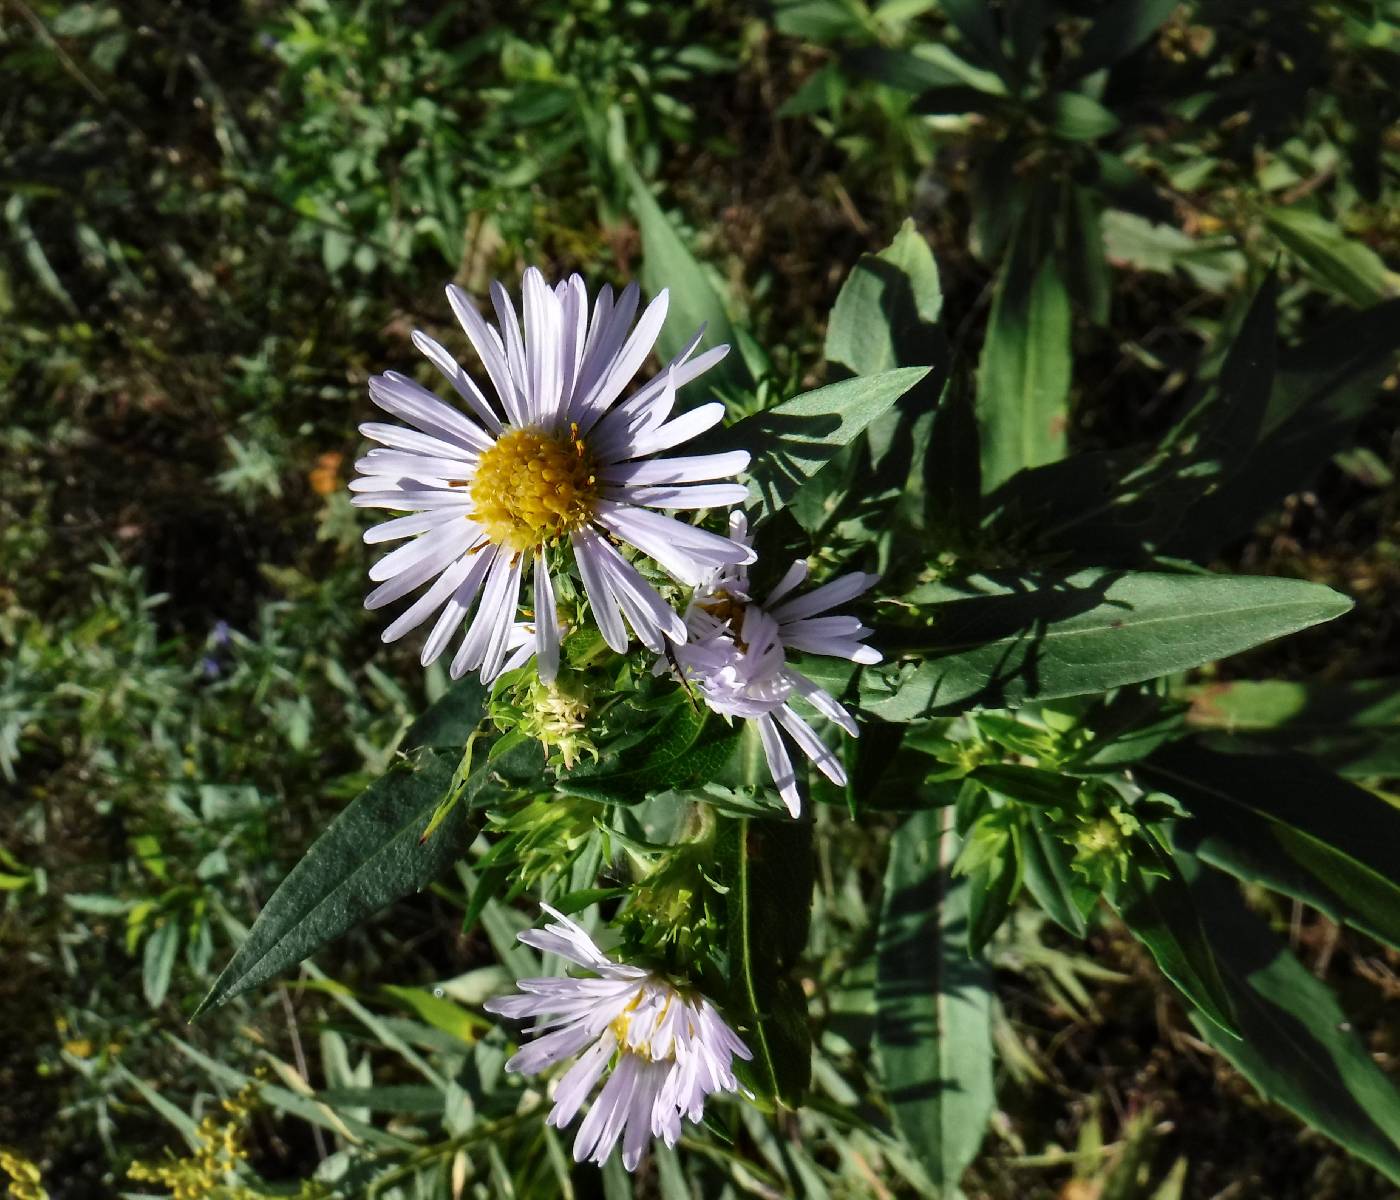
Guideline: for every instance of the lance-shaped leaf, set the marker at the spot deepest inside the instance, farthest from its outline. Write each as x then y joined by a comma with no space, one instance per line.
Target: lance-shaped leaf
1023,378
371,854
1120,28
1298,1047
1353,728
767,870
668,263
1002,641
1157,905
933,1015
1320,389
1285,822
795,440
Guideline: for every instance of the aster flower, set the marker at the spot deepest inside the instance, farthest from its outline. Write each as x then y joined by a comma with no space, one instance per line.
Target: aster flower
499,492
664,1049
737,658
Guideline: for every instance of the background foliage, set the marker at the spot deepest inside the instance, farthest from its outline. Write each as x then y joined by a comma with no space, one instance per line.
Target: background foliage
219,219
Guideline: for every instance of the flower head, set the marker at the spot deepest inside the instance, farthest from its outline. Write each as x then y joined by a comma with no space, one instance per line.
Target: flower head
556,467
665,1049
737,658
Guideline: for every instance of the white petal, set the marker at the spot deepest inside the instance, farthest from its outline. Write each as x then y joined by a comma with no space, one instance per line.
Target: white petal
401,396
588,553
461,382
402,465
628,360
498,605
821,700
455,610
829,595
684,551
677,470
546,622
399,438
702,495
779,764
488,347
580,1079
605,337
812,746
429,602
515,349
684,427
441,545
545,1051
792,578
573,299
414,523
650,617
543,332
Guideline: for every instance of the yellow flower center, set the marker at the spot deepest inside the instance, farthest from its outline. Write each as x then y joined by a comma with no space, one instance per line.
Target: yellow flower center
534,487
622,1027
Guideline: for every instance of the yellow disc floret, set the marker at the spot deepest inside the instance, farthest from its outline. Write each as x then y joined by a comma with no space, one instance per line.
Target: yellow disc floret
534,487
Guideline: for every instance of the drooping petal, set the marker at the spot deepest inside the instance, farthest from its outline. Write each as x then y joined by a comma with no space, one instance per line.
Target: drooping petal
546,623
779,764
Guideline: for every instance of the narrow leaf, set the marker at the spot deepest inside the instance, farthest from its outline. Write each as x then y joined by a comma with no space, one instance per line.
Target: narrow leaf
767,868
1156,905
1297,1045
795,440
1121,28
933,1017
1002,641
1023,378
1286,822
668,263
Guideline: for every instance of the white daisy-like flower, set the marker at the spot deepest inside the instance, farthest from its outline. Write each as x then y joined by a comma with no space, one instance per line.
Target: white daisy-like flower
736,658
665,1049
560,464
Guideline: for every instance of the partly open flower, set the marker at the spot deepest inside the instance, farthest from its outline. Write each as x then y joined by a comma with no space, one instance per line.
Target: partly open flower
496,494
664,1049
737,658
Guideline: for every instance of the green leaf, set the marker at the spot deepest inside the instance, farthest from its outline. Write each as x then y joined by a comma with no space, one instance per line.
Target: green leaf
1320,390
767,868
933,1018
687,745
886,314
1045,869
1297,1045
668,263
369,856
920,69
1086,265
159,960
1353,728
450,720
973,19
1079,118
794,441
1283,821
1156,905
1024,373
441,1013
1346,267
999,642
1121,28
1235,413
374,851
1029,785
